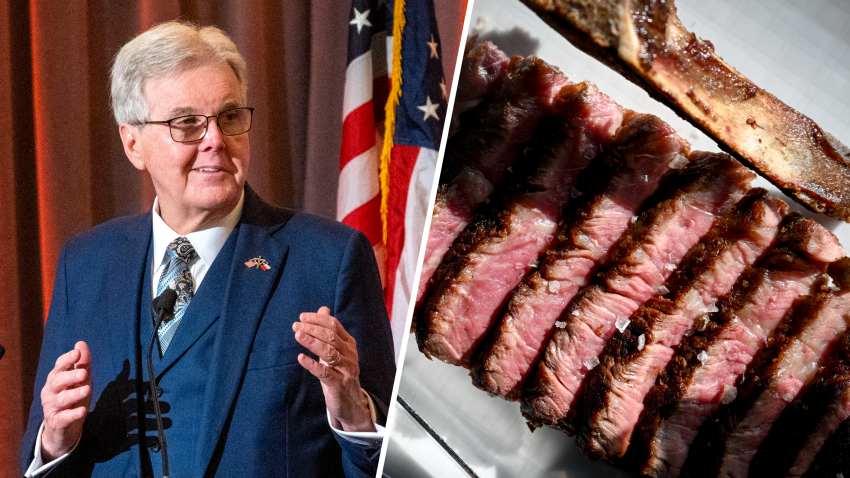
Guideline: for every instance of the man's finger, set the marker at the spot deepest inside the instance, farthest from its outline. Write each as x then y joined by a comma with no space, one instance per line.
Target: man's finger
73,396
324,334
67,360
315,318
64,380
318,347
324,373
84,361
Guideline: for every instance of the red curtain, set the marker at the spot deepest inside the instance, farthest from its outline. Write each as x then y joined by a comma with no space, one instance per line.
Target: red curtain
62,166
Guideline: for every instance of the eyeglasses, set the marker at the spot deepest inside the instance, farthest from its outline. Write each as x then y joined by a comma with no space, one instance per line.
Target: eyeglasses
185,129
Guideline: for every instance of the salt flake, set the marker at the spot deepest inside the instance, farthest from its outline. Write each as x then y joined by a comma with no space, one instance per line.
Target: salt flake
560,324
639,255
670,267
575,313
591,362
622,323
554,286
678,162
663,290
641,341
729,394
703,357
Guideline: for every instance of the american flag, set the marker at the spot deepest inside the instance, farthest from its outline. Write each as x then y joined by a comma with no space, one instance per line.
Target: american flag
405,96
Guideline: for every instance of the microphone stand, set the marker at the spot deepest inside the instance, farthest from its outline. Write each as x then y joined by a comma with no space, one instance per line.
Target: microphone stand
164,306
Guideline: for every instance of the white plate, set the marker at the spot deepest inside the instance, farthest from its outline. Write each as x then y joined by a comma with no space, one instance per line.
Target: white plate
796,50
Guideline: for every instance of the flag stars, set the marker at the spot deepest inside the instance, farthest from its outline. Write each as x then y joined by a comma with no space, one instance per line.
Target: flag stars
430,109
361,20
433,46
443,87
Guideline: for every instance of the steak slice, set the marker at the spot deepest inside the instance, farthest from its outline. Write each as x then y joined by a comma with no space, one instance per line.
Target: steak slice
808,422
640,264
702,374
640,154
482,71
478,157
646,42
499,248
728,443
614,391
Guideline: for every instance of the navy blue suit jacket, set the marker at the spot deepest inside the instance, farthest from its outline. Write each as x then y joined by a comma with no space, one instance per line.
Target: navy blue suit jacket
235,400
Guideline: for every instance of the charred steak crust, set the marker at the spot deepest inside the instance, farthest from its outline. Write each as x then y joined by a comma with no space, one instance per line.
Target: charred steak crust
840,272
517,105
834,458
482,72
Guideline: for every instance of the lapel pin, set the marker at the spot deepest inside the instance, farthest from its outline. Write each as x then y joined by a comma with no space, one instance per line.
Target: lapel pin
259,263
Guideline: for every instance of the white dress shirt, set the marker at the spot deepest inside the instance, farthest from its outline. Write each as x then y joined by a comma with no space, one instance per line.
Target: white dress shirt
207,243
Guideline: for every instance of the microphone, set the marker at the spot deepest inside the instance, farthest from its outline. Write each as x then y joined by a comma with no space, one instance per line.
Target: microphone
163,306
2,351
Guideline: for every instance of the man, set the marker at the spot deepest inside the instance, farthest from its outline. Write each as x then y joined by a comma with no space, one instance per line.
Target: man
277,359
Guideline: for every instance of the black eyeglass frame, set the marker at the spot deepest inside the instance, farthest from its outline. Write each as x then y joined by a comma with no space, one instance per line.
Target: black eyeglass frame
207,125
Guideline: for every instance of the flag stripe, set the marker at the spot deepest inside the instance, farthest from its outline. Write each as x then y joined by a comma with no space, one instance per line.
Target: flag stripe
358,132
416,211
358,182
358,87
362,219
401,167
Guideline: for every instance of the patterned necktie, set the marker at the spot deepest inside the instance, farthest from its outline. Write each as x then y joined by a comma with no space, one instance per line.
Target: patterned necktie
177,276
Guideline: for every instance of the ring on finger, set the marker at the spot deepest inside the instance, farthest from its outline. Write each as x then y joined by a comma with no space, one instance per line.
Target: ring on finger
336,359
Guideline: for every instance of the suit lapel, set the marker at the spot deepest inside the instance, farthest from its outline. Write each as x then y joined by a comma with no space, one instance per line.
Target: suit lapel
247,295
127,268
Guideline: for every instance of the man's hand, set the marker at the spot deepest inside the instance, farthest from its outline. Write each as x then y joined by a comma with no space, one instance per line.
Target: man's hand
337,369
65,400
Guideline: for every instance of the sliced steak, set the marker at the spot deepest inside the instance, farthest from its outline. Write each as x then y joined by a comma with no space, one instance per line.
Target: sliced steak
478,157
808,422
643,151
702,374
643,260
482,71
614,391
728,443
499,248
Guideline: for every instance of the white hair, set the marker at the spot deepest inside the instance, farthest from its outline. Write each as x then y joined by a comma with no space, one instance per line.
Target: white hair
162,51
